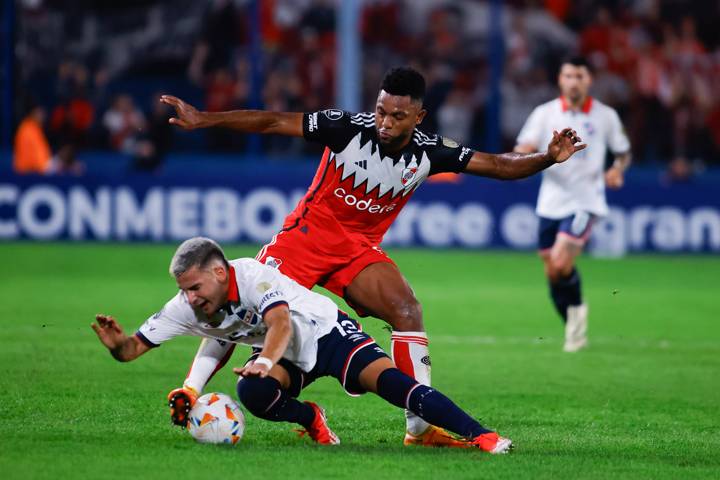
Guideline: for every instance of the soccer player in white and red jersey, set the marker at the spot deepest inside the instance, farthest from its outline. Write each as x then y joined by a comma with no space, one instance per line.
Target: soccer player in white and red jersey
297,337
372,164
572,195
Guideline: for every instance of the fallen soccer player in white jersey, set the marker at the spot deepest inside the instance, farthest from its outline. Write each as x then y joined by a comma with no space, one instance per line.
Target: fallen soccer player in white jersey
297,336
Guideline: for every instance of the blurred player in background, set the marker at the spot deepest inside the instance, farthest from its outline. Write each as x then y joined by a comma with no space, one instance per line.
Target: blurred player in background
572,195
372,164
297,336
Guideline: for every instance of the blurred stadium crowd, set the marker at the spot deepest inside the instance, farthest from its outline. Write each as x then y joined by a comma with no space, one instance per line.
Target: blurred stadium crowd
95,69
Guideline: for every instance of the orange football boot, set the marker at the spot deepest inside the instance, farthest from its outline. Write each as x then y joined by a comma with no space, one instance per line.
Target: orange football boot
434,437
491,442
319,430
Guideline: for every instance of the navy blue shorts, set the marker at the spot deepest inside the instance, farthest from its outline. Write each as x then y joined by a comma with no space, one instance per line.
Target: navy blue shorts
576,227
343,354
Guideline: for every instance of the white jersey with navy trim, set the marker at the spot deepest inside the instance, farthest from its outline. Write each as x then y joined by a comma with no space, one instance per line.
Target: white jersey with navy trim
260,288
577,184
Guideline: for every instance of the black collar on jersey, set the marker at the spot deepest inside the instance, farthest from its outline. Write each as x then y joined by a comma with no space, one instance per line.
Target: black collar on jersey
405,153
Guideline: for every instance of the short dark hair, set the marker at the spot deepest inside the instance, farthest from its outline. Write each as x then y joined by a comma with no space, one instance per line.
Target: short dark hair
577,61
196,252
403,81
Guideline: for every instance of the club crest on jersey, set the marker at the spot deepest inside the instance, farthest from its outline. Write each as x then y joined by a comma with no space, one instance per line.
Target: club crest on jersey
273,262
248,317
333,114
408,174
589,128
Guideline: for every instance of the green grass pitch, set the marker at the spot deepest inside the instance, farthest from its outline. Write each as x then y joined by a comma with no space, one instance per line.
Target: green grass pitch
642,402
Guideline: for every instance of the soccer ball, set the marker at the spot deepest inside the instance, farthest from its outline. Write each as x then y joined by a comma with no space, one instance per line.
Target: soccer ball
216,418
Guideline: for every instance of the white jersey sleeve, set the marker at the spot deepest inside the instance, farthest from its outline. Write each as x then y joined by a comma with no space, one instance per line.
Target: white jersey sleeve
168,323
533,131
211,357
617,138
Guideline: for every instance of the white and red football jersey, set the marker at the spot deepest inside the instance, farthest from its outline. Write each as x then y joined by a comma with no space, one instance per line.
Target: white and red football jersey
254,289
359,189
579,183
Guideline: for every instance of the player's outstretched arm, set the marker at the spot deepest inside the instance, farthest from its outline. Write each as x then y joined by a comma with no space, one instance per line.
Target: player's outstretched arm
247,121
511,166
123,348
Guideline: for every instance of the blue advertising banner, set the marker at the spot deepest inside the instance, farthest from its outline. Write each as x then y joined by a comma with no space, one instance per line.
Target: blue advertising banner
471,213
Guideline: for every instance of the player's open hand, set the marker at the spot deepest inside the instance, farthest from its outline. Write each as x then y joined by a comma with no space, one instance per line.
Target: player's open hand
108,331
188,117
564,144
253,369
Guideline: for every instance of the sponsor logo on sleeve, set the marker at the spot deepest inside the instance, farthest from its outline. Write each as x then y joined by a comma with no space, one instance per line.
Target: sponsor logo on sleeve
312,122
449,142
334,114
269,297
463,153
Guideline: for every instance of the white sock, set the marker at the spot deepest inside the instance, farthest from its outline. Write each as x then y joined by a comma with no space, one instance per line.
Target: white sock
411,356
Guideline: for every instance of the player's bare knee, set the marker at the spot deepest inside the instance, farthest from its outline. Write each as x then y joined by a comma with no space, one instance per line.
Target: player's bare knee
560,267
553,270
406,316
552,275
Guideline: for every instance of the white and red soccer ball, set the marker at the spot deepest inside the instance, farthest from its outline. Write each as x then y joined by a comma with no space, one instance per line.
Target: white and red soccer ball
216,418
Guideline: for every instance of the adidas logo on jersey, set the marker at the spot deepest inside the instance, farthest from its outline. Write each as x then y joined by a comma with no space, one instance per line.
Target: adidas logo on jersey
362,164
